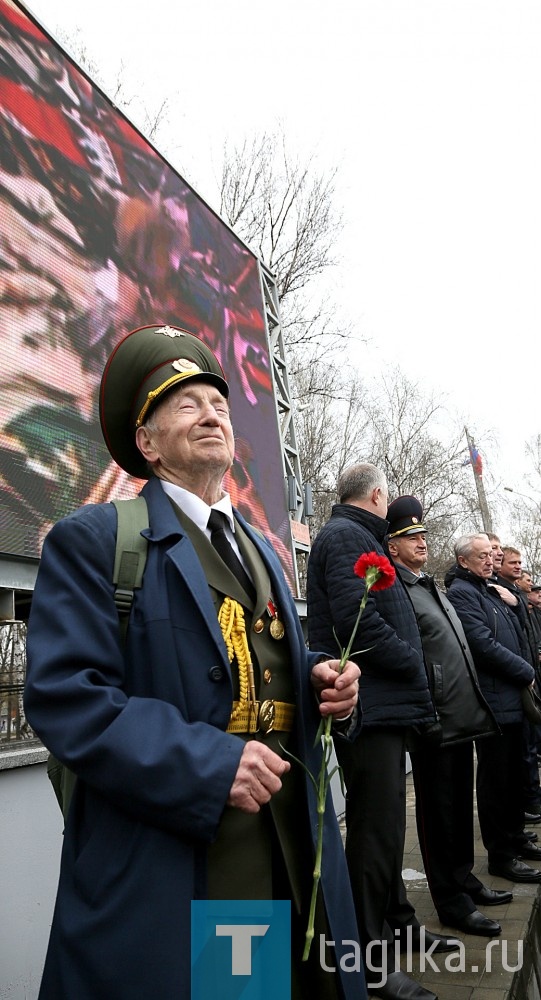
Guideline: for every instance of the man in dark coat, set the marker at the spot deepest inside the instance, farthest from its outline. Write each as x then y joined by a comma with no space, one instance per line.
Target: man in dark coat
394,697
495,639
443,771
534,609
183,791
516,583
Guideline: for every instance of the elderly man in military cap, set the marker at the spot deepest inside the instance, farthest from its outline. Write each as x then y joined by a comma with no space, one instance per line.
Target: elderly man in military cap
183,787
443,770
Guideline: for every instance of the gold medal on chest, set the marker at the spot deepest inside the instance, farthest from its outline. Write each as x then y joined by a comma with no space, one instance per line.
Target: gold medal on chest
276,629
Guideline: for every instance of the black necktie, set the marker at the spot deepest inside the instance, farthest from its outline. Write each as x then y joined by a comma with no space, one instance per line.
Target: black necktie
225,550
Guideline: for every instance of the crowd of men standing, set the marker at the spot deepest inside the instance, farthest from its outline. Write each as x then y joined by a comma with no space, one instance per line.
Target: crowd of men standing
442,673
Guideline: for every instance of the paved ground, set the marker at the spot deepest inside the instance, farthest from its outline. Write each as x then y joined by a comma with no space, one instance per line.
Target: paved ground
506,971
474,973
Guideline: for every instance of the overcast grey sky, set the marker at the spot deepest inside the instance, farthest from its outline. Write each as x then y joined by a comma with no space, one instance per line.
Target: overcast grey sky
431,109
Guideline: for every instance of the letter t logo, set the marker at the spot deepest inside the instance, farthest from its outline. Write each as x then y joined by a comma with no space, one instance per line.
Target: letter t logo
241,944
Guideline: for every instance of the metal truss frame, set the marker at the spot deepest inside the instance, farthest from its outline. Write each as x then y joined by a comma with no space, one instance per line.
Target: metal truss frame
293,483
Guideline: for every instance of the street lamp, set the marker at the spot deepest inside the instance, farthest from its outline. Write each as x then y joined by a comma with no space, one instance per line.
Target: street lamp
511,489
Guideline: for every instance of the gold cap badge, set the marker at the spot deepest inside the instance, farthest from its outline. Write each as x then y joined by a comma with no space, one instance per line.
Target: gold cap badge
184,366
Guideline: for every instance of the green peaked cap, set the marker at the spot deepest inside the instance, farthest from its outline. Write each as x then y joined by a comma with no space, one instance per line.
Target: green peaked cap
143,367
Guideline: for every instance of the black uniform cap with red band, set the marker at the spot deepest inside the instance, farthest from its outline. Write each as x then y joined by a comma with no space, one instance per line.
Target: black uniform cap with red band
146,364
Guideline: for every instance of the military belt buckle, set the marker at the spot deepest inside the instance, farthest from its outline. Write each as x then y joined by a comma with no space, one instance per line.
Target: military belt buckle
267,716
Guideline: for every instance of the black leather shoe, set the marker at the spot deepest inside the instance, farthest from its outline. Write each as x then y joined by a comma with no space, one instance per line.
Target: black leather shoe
532,818
490,897
530,835
398,986
476,923
515,871
530,851
412,938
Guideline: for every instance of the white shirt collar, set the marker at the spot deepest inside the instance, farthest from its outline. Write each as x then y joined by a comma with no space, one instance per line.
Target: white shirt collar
196,509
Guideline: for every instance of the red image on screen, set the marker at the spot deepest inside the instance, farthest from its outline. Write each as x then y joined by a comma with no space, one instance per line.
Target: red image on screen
98,236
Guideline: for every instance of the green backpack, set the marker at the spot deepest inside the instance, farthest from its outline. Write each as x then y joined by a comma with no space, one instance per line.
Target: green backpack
130,559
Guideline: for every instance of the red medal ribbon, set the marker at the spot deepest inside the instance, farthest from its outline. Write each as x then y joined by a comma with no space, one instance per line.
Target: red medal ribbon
272,610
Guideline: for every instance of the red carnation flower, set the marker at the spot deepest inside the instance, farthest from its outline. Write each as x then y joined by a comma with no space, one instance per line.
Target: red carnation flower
378,572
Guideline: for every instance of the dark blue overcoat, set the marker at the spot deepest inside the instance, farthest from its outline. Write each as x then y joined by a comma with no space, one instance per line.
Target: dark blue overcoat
145,733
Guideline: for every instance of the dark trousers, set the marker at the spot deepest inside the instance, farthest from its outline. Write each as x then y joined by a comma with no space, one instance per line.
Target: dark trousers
499,792
443,779
374,774
530,767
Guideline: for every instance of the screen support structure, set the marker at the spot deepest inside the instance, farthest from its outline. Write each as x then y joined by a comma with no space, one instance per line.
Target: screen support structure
293,483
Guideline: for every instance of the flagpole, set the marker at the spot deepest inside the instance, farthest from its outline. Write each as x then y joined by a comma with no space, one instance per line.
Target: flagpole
483,505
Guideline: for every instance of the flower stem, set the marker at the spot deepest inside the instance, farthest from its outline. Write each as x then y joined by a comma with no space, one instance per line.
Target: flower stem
345,655
321,799
322,787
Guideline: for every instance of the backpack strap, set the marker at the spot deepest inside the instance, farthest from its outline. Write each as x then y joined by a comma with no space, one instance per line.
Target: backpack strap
130,559
130,555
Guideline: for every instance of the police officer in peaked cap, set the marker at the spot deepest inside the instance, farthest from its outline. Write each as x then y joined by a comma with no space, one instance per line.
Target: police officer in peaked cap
442,759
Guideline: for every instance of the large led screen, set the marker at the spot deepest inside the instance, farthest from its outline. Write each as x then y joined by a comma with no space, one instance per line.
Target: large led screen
98,235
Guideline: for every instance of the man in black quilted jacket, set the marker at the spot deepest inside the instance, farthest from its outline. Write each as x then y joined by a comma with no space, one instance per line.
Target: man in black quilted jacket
395,696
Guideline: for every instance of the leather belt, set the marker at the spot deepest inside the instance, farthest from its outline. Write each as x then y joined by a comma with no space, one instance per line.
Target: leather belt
264,717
